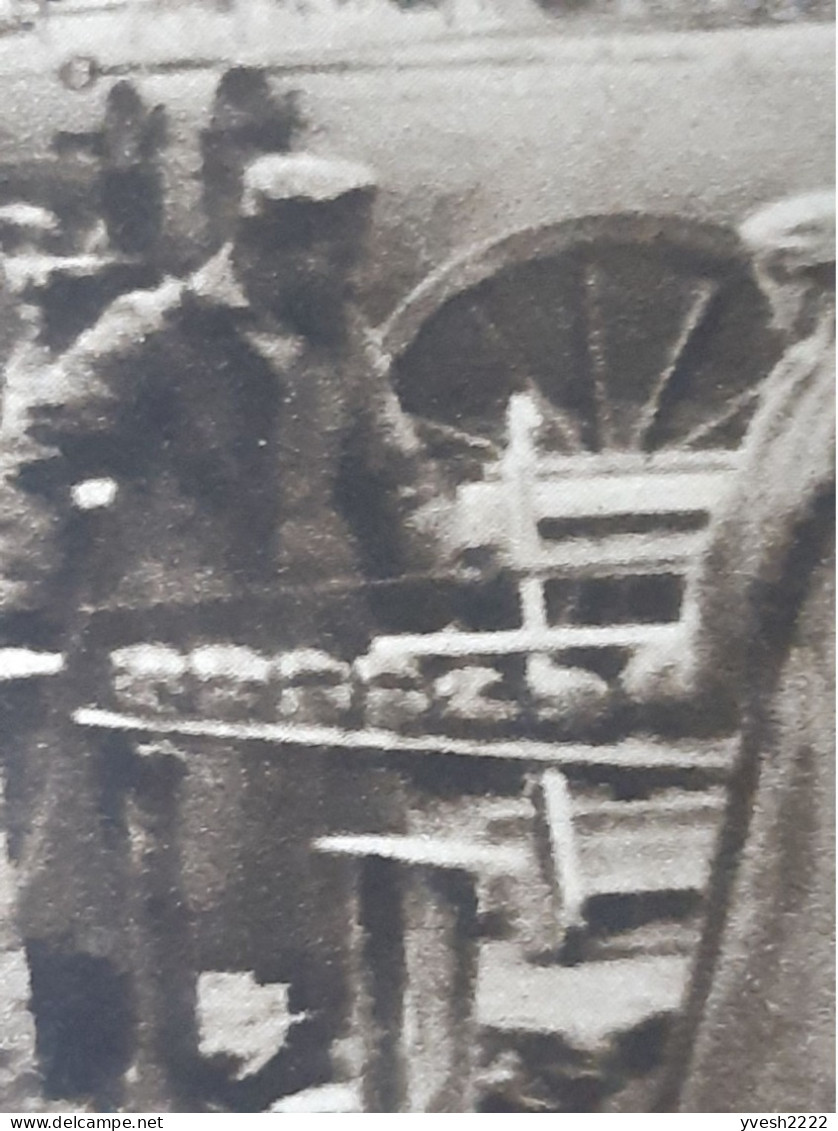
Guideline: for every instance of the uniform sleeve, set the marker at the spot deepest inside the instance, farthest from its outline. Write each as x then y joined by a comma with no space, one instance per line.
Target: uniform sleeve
77,403
66,430
788,461
31,539
737,589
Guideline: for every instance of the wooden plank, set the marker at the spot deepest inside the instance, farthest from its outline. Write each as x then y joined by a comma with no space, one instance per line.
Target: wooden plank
342,1098
618,554
163,963
591,464
23,663
482,520
415,987
709,759
651,494
439,1034
429,852
455,644
557,848
490,513
380,982
684,808
647,858
521,536
586,1005
533,604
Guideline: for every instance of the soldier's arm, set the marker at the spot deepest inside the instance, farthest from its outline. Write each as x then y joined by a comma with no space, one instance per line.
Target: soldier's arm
786,458
67,433
391,487
742,587
72,418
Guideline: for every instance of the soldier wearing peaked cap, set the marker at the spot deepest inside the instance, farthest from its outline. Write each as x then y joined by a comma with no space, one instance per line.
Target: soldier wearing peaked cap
257,448
247,119
270,182
759,652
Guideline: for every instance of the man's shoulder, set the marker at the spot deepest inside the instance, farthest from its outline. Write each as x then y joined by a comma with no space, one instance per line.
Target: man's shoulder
133,318
805,364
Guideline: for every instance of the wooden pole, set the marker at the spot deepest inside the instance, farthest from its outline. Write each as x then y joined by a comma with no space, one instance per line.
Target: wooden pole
417,971
164,1075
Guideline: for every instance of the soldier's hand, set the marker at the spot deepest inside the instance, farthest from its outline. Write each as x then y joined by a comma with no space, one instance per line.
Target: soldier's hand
433,536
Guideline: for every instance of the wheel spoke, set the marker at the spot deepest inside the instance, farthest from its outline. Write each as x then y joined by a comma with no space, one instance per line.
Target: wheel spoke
731,409
702,300
500,343
597,357
435,431
512,355
554,418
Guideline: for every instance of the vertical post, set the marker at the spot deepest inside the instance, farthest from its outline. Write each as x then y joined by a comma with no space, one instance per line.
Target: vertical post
441,961
417,975
382,976
557,848
518,472
164,1071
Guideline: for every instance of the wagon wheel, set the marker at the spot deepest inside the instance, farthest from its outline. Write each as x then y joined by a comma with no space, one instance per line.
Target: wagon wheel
638,333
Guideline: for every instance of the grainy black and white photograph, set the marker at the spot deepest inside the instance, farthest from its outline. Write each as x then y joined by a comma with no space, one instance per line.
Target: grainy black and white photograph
417,556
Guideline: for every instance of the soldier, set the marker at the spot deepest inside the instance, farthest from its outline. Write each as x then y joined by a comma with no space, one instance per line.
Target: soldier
247,120
256,450
131,178
758,654
247,404
27,233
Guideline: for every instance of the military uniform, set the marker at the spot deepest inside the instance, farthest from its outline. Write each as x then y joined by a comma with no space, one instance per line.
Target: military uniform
762,1009
758,1031
251,463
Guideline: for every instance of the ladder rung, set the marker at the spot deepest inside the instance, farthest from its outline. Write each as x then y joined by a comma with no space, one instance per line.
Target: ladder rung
624,553
654,494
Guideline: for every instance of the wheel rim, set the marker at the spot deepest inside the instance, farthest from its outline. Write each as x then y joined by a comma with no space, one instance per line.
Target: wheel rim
637,333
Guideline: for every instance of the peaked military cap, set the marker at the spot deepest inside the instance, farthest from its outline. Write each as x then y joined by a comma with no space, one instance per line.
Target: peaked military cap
276,178
802,227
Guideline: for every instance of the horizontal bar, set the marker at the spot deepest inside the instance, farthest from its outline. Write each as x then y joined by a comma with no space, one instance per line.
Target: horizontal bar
629,494
429,852
36,268
638,463
633,754
616,566
652,859
619,553
588,1005
615,494
23,663
523,640
666,810
337,1098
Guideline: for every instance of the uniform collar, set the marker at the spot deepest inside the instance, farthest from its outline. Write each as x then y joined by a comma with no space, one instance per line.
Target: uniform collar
216,284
